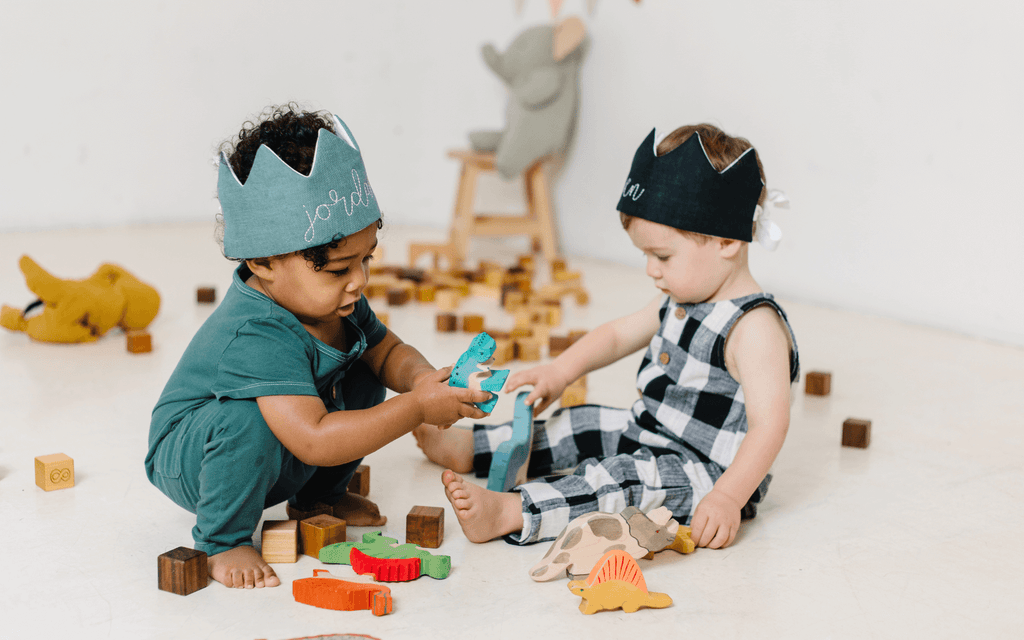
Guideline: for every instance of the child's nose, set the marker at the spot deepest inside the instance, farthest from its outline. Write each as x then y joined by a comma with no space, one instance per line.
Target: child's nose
653,270
359,279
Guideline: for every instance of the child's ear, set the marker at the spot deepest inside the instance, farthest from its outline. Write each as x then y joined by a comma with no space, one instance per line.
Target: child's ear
262,268
729,248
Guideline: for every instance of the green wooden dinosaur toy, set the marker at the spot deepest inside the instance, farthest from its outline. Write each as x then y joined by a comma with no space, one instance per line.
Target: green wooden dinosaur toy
377,545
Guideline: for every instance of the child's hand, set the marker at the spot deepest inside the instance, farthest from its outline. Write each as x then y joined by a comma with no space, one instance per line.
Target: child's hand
548,385
715,521
443,405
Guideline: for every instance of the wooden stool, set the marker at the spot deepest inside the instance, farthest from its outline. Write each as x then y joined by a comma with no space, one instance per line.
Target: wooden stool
537,222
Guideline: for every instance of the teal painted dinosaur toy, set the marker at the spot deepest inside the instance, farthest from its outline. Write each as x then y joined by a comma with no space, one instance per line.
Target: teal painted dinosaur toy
377,545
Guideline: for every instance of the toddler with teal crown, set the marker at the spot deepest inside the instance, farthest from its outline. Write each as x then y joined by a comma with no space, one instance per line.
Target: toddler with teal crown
714,384
281,392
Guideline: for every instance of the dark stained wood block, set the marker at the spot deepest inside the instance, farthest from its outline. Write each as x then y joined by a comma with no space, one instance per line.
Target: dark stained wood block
818,383
182,571
206,295
447,322
360,482
424,527
856,433
139,341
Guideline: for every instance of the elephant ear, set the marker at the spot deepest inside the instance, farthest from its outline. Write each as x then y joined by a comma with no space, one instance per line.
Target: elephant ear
569,34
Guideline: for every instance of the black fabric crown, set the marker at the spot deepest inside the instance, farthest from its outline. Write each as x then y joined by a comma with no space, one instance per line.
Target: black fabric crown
682,189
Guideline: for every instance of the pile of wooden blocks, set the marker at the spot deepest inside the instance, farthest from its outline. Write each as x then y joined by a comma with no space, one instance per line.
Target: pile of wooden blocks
535,311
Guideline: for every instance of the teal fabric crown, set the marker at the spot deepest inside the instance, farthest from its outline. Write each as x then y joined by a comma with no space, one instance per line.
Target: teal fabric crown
278,210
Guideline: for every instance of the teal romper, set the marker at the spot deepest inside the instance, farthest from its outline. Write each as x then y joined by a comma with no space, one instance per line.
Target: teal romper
210,449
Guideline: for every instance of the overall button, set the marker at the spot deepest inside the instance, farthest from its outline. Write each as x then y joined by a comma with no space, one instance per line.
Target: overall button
664,358
680,313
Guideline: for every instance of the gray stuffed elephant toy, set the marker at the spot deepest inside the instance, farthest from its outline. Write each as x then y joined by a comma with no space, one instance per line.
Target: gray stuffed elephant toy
541,68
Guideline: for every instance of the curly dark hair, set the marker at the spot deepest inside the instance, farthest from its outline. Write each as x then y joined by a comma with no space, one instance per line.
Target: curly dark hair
291,133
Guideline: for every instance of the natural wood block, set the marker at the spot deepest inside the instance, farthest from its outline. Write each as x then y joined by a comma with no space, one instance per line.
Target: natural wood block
384,318
55,471
424,527
447,322
206,295
818,383
480,290
520,332
360,482
182,571
447,299
498,334
575,394
528,349
319,531
280,541
472,323
856,433
138,341
504,351
575,335
558,264
558,344
426,292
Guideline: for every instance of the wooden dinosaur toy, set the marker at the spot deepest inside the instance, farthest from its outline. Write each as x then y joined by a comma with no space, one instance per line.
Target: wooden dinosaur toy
385,569
468,374
587,538
331,592
616,583
377,545
511,458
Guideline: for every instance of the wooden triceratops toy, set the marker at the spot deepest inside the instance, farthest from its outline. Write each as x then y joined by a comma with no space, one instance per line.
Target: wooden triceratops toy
587,538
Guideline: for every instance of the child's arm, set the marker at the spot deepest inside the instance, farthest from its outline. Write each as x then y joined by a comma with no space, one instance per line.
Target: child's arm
604,345
317,437
757,355
397,365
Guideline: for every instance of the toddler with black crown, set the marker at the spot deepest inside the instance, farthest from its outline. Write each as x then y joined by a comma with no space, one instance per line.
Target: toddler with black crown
714,384
281,392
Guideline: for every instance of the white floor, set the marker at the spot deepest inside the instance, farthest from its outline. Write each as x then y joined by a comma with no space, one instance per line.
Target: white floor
915,537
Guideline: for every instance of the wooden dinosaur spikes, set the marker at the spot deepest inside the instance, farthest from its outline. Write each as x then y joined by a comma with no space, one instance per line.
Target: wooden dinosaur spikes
616,582
617,565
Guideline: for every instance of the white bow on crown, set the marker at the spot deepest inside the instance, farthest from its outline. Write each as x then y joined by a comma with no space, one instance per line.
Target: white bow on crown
768,233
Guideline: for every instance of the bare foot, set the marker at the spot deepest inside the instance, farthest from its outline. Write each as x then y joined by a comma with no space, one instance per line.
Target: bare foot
357,511
242,568
451,448
484,515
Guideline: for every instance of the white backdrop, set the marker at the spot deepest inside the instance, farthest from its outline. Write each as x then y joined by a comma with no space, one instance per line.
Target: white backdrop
893,126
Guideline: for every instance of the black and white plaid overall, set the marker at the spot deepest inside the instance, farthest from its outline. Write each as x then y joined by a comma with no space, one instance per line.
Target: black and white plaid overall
669,449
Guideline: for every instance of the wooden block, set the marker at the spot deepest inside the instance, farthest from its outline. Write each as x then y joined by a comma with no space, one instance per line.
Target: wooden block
520,332
319,531
138,341
206,295
280,541
397,296
818,383
182,571
447,322
504,351
856,433
424,527
528,349
360,482
447,299
55,471
575,335
472,323
480,290
558,264
575,394
426,292
566,276
384,318
558,344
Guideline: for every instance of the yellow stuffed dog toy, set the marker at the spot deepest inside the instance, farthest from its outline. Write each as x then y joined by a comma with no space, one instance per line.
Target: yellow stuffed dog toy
82,310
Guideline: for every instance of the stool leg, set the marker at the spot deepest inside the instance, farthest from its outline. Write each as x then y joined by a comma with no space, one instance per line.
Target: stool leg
462,218
538,199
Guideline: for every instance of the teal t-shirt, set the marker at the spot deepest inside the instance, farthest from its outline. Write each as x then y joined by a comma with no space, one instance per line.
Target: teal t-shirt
250,347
